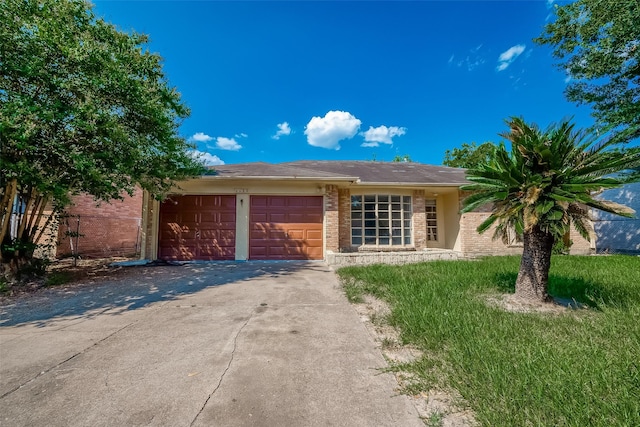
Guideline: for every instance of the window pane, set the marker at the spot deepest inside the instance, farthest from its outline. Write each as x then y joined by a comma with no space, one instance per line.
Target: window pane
383,215
370,223
407,223
356,202
383,232
396,241
356,223
407,240
406,199
370,199
369,206
397,232
383,206
356,215
384,198
384,240
396,207
356,240
406,207
369,240
356,232
369,215
370,232
396,215
395,199
383,223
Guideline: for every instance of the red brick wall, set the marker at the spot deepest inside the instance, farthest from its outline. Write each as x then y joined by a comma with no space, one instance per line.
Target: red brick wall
106,229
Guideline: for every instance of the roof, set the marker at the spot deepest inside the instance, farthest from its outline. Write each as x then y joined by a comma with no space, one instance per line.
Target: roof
370,172
361,172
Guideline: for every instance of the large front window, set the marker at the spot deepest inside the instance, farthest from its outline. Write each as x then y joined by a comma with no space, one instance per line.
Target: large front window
380,220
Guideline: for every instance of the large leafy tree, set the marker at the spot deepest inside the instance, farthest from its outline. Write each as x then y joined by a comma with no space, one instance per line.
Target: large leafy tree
468,155
83,108
598,44
544,184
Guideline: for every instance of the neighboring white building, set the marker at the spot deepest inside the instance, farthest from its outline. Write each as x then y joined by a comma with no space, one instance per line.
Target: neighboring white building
616,234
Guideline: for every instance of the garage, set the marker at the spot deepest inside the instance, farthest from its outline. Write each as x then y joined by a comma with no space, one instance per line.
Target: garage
197,228
285,227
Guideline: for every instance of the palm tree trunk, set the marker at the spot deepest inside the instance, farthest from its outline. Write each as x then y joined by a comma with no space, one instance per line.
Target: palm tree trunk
533,277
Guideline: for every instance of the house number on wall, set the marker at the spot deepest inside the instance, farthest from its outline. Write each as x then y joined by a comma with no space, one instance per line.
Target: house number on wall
241,190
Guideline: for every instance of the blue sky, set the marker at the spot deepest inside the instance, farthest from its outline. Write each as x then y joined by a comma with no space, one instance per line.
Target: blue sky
298,80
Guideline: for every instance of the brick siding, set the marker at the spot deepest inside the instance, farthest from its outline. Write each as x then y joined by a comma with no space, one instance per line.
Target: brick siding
331,216
475,244
344,206
419,220
106,229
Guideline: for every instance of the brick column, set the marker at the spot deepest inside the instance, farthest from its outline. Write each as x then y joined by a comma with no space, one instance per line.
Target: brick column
331,219
419,220
344,212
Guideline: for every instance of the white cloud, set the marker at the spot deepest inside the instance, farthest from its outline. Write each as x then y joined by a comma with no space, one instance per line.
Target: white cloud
207,158
382,134
201,137
240,135
283,130
472,60
227,144
328,131
508,56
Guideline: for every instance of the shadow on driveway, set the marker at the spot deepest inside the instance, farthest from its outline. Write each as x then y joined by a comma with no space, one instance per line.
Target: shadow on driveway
140,288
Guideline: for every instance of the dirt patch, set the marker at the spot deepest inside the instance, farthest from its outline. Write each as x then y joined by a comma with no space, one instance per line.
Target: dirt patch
509,302
435,407
66,274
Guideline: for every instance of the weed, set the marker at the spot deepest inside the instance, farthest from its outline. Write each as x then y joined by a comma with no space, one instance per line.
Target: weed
520,368
57,278
435,419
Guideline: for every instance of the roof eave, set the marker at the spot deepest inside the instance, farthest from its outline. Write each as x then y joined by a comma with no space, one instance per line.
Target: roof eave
286,178
411,184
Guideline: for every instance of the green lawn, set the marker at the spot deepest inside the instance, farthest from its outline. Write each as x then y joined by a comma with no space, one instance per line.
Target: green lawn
581,368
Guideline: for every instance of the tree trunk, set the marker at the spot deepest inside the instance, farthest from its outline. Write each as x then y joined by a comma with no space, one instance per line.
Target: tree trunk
533,277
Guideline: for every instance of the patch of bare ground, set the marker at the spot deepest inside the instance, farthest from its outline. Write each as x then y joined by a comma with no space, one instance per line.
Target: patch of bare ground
65,273
435,407
511,303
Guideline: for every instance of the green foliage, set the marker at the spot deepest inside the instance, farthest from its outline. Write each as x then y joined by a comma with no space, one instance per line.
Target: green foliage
569,368
402,158
548,179
57,278
468,155
598,44
83,108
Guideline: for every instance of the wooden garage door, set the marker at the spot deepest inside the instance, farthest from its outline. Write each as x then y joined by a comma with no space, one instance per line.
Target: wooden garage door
197,228
285,227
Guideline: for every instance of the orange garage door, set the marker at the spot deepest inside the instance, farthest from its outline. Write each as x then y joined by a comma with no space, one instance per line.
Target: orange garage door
285,227
197,228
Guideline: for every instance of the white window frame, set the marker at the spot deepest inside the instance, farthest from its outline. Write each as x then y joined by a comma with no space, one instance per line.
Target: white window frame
381,220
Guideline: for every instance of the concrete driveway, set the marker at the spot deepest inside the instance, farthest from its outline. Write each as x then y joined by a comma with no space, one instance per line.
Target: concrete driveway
220,344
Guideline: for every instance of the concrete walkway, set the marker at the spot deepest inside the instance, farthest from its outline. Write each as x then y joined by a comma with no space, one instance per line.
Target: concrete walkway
224,344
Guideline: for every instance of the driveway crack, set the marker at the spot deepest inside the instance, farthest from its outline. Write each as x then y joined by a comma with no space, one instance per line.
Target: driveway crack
18,387
233,352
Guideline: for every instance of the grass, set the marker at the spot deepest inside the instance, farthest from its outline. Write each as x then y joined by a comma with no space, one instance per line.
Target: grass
575,369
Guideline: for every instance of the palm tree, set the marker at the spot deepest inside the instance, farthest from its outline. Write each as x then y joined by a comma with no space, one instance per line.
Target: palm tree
547,182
